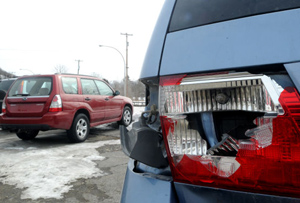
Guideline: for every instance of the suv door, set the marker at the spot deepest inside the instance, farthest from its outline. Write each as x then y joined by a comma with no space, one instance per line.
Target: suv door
113,103
93,99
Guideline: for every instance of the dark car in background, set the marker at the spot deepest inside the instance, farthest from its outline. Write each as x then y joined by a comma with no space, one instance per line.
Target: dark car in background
222,122
4,86
62,101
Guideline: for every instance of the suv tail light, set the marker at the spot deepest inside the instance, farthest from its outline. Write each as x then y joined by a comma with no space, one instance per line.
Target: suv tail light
56,104
3,106
234,131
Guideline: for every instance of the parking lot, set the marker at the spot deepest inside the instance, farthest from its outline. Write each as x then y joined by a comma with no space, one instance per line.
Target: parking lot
50,169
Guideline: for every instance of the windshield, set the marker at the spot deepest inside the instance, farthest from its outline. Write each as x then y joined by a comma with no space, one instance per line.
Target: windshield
34,86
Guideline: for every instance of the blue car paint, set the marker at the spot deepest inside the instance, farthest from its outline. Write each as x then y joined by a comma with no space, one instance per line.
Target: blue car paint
259,40
143,187
194,194
153,55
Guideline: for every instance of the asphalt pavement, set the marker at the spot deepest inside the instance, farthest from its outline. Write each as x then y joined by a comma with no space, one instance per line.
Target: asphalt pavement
50,169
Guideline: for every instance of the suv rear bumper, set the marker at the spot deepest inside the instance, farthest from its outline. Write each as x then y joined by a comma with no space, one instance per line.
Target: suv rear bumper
51,120
148,187
192,194
143,187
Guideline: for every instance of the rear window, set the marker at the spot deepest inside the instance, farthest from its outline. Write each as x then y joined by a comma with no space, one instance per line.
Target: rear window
192,13
35,86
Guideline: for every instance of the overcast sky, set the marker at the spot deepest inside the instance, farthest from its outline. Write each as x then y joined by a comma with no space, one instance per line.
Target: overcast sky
37,35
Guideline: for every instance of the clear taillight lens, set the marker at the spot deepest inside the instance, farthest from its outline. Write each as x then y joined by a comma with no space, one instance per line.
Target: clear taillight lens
56,104
264,156
219,93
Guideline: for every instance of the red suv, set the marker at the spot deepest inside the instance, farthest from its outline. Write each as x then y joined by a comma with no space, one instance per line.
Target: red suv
62,101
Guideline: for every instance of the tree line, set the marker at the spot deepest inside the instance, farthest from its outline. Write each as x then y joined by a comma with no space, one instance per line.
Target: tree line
136,89
4,74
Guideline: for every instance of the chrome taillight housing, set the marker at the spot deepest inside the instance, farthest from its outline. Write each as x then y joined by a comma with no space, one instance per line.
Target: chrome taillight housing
266,154
220,93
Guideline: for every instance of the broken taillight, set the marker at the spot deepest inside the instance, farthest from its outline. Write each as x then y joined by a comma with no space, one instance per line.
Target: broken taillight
235,131
56,104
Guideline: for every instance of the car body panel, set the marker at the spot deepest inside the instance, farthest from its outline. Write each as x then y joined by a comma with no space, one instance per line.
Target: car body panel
193,194
96,105
152,190
294,71
113,107
52,120
152,58
263,39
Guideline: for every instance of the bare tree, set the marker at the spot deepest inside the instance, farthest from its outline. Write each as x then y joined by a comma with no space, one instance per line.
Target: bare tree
60,69
4,74
136,88
96,75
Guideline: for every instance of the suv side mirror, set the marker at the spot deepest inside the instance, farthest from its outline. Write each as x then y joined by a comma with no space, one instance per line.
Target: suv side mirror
116,93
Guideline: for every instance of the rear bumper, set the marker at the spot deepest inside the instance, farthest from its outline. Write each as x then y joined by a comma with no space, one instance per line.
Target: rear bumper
148,187
192,193
51,120
143,187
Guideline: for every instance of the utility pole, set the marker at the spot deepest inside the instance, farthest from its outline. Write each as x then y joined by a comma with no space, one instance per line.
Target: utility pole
126,72
78,65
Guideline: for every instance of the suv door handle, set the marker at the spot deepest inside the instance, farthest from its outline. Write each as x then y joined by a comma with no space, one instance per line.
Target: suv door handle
106,99
87,99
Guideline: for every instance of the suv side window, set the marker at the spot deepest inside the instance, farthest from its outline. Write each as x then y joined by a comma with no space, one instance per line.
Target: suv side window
104,88
69,85
89,87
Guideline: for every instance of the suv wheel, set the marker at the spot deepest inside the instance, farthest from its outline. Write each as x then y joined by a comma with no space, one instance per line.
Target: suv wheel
126,117
80,129
27,134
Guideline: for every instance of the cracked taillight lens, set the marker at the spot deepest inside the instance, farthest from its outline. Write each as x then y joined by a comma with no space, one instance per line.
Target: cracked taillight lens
263,158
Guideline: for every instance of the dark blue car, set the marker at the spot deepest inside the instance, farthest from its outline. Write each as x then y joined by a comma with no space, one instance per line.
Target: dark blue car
222,121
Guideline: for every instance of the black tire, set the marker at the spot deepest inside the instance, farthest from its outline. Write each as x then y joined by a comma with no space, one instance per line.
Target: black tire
126,116
27,134
80,129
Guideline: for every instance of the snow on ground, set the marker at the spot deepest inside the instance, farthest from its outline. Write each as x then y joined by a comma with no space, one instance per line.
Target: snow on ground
49,172
137,112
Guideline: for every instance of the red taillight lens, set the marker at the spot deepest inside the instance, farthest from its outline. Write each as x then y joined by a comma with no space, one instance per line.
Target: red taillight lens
56,104
3,106
268,162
